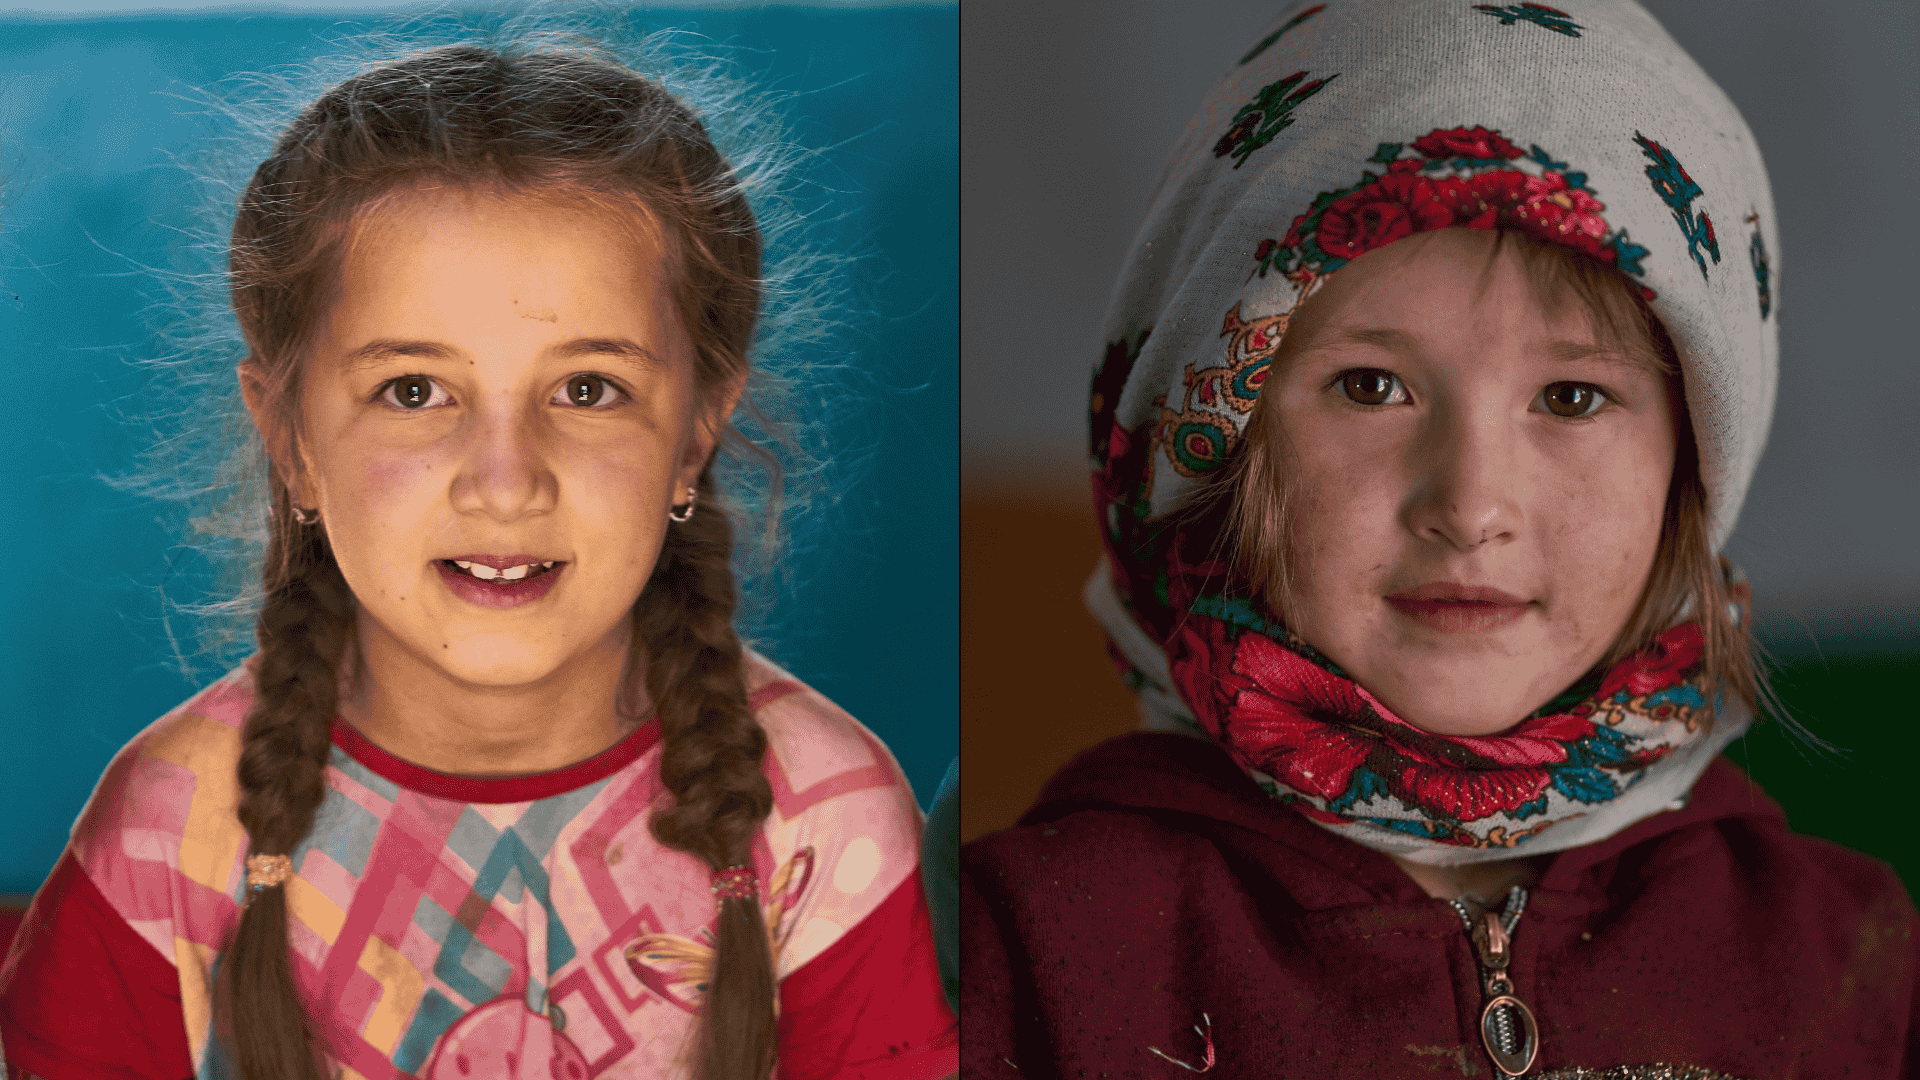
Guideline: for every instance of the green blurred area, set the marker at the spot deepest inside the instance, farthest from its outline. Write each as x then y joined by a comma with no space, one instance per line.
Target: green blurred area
1864,704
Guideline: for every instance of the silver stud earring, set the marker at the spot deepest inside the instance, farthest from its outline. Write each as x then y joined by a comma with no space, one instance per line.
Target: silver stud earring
684,513
306,515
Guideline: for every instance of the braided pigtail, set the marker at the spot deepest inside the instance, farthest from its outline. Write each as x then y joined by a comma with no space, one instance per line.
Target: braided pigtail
303,630
710,761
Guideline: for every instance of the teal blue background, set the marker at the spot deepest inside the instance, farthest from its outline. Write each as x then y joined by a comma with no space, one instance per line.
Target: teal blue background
88,118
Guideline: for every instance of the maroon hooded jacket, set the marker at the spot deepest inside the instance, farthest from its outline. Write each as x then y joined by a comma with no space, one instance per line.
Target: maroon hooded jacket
1153,882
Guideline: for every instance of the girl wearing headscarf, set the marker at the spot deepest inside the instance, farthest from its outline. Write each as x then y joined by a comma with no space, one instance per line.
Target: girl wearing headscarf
1433,385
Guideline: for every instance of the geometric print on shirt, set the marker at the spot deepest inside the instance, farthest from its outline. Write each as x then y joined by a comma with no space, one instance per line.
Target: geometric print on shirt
450,927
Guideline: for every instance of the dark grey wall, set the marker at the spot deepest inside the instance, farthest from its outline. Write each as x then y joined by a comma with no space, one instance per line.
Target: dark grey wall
1067,111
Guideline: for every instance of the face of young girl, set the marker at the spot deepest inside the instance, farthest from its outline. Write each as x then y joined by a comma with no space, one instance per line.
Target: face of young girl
496,386
1477,483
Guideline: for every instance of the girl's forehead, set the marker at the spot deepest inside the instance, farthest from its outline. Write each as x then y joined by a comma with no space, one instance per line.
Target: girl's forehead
537,220
1450,283
438,248
454,273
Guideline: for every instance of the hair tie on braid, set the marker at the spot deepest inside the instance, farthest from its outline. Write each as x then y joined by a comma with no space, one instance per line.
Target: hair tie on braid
266,871
736,883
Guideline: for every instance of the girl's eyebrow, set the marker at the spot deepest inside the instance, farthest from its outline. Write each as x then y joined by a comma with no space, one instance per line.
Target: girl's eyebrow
632,352
1572,351
1404,342
1382,337
379,349
382,349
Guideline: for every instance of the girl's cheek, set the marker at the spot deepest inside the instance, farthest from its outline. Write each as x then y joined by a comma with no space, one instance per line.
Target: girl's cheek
1318,524
383,474
1345,492
1602,529
636,463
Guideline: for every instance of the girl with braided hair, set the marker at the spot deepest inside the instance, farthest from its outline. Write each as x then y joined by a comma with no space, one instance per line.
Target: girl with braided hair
501,793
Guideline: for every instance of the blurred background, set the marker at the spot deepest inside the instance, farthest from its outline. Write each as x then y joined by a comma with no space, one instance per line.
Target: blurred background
98,133
1069,110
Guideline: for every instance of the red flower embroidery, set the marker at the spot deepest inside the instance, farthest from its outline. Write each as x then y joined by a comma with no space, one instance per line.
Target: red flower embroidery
1292,239
1283,715
1310,729
1497,193
1473,142
1397,205
1559,214
1288,720
1658,666
1194,658
1469,795
1537,741
1111,484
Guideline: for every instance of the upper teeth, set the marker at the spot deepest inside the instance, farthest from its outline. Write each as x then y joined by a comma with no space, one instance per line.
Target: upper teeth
511,573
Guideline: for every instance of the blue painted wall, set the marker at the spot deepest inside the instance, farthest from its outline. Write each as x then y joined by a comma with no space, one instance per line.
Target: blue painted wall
89,114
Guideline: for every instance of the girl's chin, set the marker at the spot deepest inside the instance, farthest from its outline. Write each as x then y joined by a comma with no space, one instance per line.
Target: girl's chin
496,666
1472,725
467,653
1454,699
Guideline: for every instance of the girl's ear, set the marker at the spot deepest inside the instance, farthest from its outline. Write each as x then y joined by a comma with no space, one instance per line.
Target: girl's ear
282,450
709,426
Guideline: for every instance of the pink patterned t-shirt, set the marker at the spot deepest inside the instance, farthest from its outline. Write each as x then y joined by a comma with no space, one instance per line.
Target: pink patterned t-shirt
446,926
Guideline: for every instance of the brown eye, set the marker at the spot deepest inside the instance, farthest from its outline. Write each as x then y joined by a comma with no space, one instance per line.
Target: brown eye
1371,386
586,391
410,391
1572,399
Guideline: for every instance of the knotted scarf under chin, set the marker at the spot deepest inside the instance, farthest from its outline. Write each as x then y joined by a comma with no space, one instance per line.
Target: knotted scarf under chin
1617,747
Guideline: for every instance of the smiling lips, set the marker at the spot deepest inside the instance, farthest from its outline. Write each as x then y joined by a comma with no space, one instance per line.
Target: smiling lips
1450,608
487,572
499,581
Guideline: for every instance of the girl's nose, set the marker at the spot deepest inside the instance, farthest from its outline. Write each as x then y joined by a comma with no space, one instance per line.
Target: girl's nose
505,473
1467,480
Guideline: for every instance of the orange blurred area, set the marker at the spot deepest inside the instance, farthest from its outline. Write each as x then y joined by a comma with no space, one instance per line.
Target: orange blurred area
1036,686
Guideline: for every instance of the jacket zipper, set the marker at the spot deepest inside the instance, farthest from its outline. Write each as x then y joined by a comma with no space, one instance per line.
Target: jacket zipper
1507,1027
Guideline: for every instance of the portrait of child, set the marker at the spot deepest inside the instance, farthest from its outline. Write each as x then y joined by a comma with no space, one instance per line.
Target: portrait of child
537,392
1427,398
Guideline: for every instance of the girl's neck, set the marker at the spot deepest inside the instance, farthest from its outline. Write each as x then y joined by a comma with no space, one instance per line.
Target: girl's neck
420,713
1486,881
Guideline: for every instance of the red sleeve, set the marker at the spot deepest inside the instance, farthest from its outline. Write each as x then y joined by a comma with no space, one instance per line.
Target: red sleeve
76,972
870,1007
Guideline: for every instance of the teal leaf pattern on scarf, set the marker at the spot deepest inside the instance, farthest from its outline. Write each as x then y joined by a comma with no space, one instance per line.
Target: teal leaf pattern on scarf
1538,14
1585,784
1267,115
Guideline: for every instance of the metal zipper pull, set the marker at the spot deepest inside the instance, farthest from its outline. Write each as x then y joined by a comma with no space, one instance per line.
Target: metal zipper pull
1507,1027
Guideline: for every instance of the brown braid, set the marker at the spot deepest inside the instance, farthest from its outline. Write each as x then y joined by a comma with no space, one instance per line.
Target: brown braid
540,123
303,634
710,761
